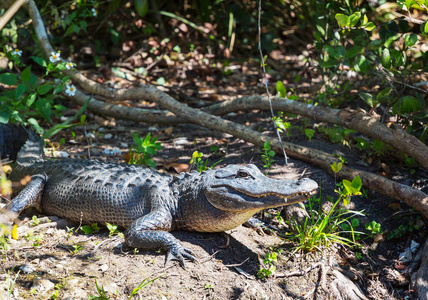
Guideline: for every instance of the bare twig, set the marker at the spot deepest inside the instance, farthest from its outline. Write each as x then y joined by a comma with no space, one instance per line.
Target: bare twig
10,12
267,84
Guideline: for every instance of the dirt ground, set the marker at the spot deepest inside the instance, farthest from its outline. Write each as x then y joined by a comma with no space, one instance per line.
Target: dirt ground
52,261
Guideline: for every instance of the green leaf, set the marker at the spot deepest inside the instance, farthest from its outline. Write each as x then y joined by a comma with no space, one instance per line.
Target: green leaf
44,88
33,81
33,122
403,25
309,133
44,109
353,188
40,61
30,99
64,125
87,229
369,26
405,105
386,59
362,143
161,81
25,75
354,18
424,27
4,115
397,57
357,183
365,20
320,29
343,20
58,89
410,39
352,52
8,79
141,7
21,89
383,95
336,167
73,28
330,51
328,64
410,3
83,25
368,98
280,88
361,64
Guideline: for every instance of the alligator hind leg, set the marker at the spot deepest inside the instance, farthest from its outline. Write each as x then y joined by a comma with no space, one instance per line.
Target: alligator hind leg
29,196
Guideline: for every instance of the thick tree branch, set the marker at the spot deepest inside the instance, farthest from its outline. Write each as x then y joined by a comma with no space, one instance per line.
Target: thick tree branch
363,123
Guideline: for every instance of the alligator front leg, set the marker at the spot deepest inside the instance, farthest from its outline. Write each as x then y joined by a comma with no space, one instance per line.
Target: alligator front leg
148,232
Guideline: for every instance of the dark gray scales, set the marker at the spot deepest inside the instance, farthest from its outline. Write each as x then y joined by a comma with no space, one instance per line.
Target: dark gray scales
149,204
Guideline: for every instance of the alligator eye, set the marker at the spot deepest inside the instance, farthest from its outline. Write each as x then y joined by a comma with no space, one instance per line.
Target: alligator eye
243,174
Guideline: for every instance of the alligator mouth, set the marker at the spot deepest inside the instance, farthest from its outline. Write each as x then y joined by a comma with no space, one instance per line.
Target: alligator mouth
305,194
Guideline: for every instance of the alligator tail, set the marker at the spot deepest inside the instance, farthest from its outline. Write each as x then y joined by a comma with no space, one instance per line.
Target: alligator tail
12,138
17,143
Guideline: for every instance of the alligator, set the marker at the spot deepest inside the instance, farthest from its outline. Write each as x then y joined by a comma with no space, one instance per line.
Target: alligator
148,204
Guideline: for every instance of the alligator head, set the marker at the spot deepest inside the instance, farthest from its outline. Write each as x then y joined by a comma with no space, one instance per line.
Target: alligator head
236,188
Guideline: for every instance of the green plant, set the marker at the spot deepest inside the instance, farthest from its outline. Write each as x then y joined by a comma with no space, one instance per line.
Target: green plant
325,228
322,229
102,295
9,284
403,229
90,229
197,162
374,228
353,223
387,48
309,133
35,97
77,248
336,134
214,149
269,267
37,239
4,241
113,229
267,155
282,125
143,284
144,150
70,231
35,221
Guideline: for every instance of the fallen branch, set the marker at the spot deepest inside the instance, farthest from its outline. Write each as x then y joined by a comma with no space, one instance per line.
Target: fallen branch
344,288
363,123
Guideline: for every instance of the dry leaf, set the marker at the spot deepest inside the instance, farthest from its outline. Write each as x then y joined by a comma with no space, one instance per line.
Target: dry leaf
179,168
394,206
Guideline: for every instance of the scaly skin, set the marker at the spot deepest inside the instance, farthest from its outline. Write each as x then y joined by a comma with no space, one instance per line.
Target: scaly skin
147,203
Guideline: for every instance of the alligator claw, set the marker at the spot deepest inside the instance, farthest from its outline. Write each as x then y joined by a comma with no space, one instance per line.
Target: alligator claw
180,253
